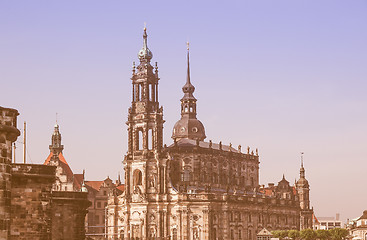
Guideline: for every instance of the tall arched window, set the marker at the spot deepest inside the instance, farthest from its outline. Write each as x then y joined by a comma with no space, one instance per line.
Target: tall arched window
140,140
150,139
138,92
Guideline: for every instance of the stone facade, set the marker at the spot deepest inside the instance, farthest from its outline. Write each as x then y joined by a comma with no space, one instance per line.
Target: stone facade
8,134
98,192
31,201
193,189
29,209
68,215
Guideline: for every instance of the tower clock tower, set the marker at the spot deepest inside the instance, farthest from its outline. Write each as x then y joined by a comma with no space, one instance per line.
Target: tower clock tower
303,190
145,168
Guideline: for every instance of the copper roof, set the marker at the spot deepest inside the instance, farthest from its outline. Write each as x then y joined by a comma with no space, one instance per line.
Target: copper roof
78,180
64,165
96,185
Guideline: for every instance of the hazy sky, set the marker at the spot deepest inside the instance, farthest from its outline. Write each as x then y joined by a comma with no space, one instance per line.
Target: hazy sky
282,76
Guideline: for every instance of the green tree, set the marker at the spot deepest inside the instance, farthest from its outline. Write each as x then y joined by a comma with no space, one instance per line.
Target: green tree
293,234
339,233
308,234
323,234
276,234
281,234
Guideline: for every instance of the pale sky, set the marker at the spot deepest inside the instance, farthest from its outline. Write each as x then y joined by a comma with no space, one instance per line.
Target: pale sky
283,76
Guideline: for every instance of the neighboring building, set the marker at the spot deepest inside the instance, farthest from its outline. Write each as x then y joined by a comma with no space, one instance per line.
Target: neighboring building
193,189
98,192
66,180
29,209
358,228
264,234
327,223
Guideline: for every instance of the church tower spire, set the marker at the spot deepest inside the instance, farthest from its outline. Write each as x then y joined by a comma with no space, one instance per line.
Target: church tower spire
145,119
56,147
145,127
188,126
303,190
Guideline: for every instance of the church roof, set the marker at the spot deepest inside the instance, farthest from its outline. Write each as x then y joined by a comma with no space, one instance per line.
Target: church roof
185,142
65,166
96,185
78,180
364,215
121,187
264,232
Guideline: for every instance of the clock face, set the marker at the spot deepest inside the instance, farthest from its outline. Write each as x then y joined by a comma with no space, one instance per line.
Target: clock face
183,129
195,129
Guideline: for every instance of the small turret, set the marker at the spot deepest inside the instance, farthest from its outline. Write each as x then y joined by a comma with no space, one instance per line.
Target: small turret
56,147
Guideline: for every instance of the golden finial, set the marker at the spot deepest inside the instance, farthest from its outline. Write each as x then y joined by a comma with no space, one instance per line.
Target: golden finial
188,45
145,26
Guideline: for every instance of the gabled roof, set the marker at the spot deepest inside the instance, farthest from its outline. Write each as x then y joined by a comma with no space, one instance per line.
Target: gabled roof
64,165
78,180
121,187
364,215
264,232
96,185
315,219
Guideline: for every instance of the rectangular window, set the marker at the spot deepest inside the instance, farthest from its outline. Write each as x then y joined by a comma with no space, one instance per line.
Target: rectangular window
98,204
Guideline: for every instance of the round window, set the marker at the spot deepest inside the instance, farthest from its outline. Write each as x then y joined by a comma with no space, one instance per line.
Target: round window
195,129
182,129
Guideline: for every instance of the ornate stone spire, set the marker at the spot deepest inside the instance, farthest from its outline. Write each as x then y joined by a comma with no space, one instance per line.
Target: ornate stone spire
188,126
145,55
188,88
56,146
302,169
302,182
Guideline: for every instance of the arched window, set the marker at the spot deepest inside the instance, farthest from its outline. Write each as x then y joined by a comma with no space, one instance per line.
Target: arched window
138,92
140,140
150,139
137,177
141,92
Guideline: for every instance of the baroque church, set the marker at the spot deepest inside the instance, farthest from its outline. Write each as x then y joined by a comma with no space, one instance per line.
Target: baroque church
193,189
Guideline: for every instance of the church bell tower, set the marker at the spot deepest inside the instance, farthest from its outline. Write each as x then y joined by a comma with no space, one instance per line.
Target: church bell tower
303,190
145,122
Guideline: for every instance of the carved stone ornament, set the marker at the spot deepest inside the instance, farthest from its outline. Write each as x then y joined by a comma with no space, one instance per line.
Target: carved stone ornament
151,181
137,195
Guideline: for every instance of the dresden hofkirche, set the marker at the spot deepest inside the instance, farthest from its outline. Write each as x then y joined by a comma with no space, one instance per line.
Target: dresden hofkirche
193,189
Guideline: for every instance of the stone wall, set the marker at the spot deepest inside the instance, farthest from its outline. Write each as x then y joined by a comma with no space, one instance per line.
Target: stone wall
31,201
68,215
8,134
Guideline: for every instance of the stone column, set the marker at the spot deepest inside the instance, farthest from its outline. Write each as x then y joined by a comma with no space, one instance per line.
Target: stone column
8,134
